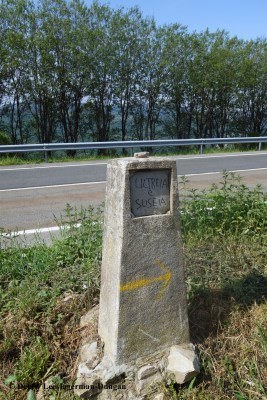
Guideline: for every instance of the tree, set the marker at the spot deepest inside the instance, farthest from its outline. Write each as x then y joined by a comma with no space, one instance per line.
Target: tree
70,72
15,17
62,31
147,100
100,89
176,56
127,34
251,96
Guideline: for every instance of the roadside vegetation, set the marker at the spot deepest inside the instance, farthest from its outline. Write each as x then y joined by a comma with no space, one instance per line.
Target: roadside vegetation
45,290
225,245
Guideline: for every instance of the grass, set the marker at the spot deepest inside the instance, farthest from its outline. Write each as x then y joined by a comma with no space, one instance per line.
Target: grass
225,236
45,290
35,159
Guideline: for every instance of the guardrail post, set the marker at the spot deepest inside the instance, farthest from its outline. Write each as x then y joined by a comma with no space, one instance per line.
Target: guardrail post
201,149
45,154
259,148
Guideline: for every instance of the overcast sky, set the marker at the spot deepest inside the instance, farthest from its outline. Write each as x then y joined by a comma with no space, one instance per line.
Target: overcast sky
246,19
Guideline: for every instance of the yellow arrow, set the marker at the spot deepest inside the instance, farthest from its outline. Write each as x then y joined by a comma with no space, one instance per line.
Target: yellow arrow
145,282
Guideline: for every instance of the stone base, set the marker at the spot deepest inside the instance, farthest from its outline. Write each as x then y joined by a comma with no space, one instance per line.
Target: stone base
98,378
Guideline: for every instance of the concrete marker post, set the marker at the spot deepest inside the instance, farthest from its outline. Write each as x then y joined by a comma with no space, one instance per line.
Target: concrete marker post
143,307
143,301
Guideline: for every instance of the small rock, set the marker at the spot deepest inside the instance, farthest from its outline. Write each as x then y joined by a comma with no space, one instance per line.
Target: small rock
144,154
40,394
159,396
69,296
183,364
90,355
109,371
86,388
117,395
146,371
83,370
90,318
91,381
146,379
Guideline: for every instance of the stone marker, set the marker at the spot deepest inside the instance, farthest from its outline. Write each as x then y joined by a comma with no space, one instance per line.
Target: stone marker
143,307
143,301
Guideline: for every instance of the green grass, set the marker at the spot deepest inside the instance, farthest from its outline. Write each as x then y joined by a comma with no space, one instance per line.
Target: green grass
33,159
45,290
225,236
230,208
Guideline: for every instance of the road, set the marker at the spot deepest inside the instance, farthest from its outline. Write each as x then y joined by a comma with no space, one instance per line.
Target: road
32,196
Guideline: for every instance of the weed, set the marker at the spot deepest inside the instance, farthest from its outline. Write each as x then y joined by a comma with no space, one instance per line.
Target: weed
33,363
228,209
45,290
43,293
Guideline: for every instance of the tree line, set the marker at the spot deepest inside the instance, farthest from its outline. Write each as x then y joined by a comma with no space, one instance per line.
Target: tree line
71,72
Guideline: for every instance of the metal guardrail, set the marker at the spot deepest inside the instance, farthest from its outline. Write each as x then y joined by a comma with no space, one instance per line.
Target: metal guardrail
47,147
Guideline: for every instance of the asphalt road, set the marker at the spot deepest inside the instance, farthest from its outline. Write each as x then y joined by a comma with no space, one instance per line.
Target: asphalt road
32,196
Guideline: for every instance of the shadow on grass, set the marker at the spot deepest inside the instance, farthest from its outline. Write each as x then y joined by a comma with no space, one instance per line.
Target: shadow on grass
209,309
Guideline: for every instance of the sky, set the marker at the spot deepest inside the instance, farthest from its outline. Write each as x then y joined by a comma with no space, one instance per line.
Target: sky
246,19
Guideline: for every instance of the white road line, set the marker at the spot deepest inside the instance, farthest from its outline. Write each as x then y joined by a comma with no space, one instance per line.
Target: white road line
37,231
218,156
51,186
220,172
49,166
31,231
